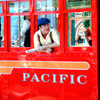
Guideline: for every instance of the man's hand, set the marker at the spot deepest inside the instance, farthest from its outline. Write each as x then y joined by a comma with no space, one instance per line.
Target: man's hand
49,50
41,49
44,49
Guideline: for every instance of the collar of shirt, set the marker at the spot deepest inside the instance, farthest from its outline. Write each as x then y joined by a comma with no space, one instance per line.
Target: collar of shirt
39,32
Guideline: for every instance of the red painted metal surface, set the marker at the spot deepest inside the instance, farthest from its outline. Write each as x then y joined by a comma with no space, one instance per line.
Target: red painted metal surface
49,83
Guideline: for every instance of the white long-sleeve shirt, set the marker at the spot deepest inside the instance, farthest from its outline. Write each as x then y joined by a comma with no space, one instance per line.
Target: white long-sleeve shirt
25,27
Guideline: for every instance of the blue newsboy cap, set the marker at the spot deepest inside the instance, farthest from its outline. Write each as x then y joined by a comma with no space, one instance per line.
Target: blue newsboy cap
43,21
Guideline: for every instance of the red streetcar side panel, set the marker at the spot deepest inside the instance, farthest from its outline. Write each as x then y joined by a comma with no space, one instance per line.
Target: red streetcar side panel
68,73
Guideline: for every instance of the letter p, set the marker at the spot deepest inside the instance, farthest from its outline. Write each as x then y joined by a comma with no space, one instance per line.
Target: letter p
25,76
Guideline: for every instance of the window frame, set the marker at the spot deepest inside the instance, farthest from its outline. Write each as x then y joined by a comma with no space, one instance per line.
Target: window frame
3,14
94,28
13,49
35,14
62,25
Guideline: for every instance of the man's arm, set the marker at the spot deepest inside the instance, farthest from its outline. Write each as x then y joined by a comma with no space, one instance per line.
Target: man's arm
55,36
53,45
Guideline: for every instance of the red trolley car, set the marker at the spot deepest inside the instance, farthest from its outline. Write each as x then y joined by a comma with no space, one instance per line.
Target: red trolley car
70,72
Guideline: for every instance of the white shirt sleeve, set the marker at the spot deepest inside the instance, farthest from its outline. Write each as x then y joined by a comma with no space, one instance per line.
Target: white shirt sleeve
25,27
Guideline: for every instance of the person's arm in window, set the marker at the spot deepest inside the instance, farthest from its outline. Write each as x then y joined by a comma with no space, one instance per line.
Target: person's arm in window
37,46
56,43
48,47
24,28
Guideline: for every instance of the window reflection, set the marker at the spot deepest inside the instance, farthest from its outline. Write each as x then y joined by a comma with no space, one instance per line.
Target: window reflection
79,29
53,19
74,4
20,30
1,32
18,7
47,5
0,8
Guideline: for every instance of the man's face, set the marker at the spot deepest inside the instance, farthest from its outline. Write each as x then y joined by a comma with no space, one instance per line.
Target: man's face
45,28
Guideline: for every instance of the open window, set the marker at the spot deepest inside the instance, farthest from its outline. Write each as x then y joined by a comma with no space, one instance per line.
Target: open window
19,24
16,31
48,5
1,31
48,9
53,20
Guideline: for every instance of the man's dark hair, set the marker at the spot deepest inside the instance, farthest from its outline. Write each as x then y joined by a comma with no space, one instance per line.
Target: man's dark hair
25,16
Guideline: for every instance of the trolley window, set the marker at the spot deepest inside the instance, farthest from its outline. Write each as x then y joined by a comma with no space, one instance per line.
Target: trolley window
0,8
53,28
46,5
19,26
48,9
18,7
53,20
75,4
79,29
1,32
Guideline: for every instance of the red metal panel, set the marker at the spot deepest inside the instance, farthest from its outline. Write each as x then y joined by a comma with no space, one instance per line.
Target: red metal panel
52,82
